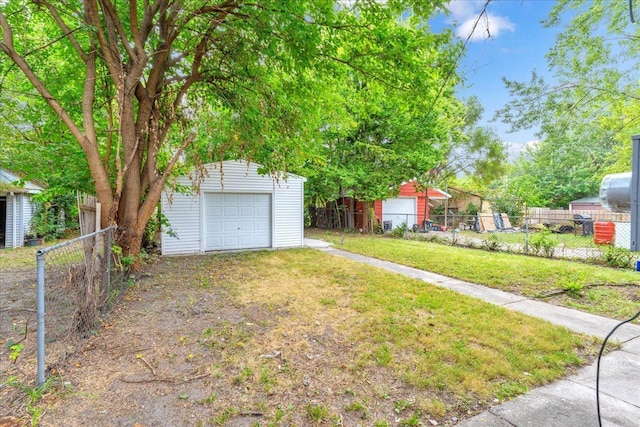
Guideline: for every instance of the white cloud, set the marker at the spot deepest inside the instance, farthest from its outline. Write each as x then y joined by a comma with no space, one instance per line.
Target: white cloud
461,9
465,14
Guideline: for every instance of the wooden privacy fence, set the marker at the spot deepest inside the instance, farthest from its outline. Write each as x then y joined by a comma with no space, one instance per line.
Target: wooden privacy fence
88,213
546,215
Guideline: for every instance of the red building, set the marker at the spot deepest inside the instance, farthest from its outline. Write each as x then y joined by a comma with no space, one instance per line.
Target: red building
409,207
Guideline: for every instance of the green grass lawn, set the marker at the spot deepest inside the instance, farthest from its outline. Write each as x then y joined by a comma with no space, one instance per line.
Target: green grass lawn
18,258
441,342
306,338
526,275
568,240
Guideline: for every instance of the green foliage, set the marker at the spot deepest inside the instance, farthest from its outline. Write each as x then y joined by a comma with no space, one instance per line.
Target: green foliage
156,223
587,117
511,389
480,154
573,288
506,202
382,355
317,413
296,86
535,275
122,262
14,351
472,209
618,257
55,214
399,231
401,405
379,134
491,243
34,395
412,421
541,243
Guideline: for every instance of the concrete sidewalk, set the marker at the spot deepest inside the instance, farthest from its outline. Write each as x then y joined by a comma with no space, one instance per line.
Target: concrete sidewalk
568,402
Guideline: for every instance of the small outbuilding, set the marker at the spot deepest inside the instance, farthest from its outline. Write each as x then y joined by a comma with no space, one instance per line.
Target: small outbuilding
409,207
16,208
586,203
229,206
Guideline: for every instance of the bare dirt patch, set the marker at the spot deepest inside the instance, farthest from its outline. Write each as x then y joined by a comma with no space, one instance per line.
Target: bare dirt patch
212,340
17,327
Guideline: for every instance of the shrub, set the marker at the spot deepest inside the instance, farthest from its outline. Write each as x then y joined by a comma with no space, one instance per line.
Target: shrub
617,257
542,243
573,289
399,231
491,243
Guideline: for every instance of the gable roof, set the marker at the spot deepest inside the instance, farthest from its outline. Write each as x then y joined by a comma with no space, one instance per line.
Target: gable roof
595,200
9,182
432,193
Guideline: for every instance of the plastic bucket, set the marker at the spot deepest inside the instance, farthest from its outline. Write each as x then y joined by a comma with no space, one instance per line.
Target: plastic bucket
603,232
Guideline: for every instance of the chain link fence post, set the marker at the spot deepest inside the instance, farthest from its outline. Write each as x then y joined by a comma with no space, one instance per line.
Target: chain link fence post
40,309
526,232
77,283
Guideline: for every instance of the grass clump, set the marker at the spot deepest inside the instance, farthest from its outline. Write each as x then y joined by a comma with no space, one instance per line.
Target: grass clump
317,413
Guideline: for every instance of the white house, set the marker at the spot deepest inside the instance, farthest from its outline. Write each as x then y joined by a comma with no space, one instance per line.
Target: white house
16,208
231,206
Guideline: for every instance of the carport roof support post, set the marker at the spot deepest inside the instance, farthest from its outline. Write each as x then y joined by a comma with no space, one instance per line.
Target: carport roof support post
635,189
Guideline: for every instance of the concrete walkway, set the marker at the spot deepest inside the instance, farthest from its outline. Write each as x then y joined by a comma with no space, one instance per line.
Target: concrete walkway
565,403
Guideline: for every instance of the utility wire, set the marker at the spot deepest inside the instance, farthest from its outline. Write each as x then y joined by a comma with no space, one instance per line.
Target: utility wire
600,356
464,47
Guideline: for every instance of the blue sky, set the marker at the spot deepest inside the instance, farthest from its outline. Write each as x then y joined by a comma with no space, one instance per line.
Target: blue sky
509,41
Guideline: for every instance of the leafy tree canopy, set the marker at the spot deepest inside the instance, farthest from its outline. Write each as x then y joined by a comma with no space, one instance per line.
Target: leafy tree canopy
587,117
134,89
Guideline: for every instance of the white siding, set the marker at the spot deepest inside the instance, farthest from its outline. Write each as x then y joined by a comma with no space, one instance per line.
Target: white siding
186,213
289,219
9,240
28,209
183,213
23,211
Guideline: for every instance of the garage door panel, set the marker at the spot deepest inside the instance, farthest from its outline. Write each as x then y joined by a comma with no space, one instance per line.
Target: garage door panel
230,226
214,242
248,226
247,240
214,211
400,210
263,211
231,241
247,211
215,226
230,211
237,221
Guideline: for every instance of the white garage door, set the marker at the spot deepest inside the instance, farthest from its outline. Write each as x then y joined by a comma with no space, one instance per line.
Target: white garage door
237,221
399,210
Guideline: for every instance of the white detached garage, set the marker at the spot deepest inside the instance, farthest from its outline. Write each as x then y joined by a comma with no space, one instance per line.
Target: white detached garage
235,208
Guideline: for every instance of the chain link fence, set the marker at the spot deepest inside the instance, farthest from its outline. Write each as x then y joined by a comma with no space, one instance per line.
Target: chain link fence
78,281
579,235
575,236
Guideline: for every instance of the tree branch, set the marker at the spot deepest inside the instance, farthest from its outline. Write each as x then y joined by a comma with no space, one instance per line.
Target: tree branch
67,32
111,16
